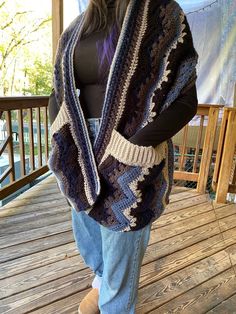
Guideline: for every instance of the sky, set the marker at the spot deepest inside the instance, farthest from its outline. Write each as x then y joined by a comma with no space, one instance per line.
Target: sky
70,8
44,7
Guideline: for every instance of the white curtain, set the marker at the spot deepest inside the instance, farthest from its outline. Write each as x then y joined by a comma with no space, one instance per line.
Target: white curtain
82,5
72,8
213,25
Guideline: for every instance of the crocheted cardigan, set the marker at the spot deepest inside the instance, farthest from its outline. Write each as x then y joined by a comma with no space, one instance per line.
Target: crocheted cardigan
123,186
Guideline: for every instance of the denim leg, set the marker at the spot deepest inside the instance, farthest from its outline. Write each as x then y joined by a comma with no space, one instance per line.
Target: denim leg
123,253
115,257
88,240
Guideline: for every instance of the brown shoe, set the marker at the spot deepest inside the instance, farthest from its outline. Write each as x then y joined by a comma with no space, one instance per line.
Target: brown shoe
89,304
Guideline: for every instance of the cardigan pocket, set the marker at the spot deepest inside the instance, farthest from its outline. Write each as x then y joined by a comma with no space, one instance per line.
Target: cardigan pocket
132,154
133,179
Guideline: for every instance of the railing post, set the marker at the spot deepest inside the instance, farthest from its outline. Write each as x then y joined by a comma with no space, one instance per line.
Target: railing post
31,139
234,103
10,147
225,155
57,24
220,147
39,138
46,133
21,141
207,149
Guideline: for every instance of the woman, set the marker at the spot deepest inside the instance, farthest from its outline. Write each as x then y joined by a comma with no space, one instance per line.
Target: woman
124,84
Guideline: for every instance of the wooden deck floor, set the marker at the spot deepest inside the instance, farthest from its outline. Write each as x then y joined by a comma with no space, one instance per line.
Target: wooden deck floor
189,266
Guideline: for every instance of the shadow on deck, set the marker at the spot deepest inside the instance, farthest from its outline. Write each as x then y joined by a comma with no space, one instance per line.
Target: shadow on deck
189,266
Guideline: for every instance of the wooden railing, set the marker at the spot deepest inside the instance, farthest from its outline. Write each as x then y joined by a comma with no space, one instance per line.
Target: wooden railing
33,106
200,139
224,178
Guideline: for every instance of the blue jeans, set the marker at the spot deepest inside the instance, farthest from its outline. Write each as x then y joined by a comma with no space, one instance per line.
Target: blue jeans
114,257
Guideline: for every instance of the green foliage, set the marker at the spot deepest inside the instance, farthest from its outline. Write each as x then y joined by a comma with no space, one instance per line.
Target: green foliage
25,42
40,78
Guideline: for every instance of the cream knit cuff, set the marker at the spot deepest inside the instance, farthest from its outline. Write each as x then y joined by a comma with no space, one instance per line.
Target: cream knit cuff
132,154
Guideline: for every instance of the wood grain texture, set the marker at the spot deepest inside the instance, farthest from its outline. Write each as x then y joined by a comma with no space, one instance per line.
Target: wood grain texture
156,294
34,234
205,296
189,266
226,306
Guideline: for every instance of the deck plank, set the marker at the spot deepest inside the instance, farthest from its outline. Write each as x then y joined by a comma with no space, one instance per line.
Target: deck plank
22,207
225,211
206,296
179,227
184,195
34,234
162,291
5,222
227,306
189,266
180,215
36,260
35,246
228,222
43,295
49,219
39,276
181,204
67,305
168,246
171,263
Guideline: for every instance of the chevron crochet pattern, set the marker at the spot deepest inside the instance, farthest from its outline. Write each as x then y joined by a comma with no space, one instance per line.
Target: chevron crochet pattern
123,186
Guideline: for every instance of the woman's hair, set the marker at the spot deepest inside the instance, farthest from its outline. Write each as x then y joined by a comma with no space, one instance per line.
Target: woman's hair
95,19
96,15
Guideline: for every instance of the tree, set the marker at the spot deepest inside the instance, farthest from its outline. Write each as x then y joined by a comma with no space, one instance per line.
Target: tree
40,77
17,32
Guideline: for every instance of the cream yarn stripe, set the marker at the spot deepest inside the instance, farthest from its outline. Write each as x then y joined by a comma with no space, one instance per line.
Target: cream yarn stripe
134,63
61,119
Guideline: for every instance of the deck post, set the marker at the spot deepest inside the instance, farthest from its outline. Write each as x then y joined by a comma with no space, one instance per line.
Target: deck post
226,155
207,149
57,24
